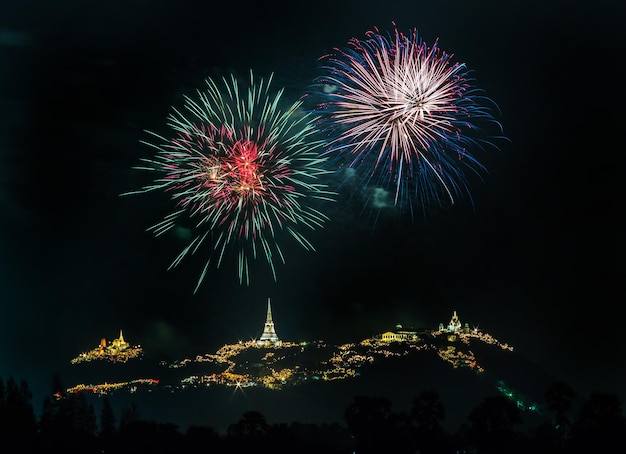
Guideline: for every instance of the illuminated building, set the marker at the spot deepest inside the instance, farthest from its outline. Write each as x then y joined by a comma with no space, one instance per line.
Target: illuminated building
454,326
118,350
400,334
455,323
269,336
119,344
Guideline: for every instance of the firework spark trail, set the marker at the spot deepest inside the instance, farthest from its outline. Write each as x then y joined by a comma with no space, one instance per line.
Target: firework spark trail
242,169
404,115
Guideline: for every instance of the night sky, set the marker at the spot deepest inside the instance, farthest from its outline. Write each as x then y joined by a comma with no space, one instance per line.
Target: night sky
536,260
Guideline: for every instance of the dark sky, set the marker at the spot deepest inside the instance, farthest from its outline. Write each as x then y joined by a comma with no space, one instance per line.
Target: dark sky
537,261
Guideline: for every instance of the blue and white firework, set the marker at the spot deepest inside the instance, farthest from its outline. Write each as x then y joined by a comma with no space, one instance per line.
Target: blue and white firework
404,117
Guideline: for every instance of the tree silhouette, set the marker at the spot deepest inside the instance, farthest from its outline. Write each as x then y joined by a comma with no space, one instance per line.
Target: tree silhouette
375,427
600,424
18,425
309,438
428,412
84,416
252,425
129,416
492,426
202,439
68,421
139,436
107,433
67,424
366,419
285,439
559,401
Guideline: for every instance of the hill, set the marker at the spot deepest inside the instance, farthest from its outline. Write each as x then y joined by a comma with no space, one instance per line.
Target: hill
315,382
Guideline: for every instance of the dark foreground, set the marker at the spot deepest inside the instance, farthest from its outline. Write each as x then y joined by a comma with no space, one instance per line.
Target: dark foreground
70,423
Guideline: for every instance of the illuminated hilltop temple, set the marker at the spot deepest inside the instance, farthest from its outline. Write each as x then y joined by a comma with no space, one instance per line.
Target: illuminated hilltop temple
454,326
115,347
269,336
118,350
401,333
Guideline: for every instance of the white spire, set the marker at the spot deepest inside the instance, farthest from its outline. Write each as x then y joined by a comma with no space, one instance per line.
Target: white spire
269,333
269,312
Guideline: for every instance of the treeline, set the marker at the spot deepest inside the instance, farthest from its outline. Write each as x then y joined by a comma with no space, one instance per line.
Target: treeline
70,424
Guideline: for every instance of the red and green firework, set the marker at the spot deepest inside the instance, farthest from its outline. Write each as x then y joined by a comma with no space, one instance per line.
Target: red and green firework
244,170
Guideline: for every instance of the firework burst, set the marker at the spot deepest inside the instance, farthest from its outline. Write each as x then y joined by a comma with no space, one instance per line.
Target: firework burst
403,116
242,170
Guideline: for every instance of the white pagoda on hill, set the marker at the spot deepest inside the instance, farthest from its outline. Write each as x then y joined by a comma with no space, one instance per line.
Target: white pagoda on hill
269,336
